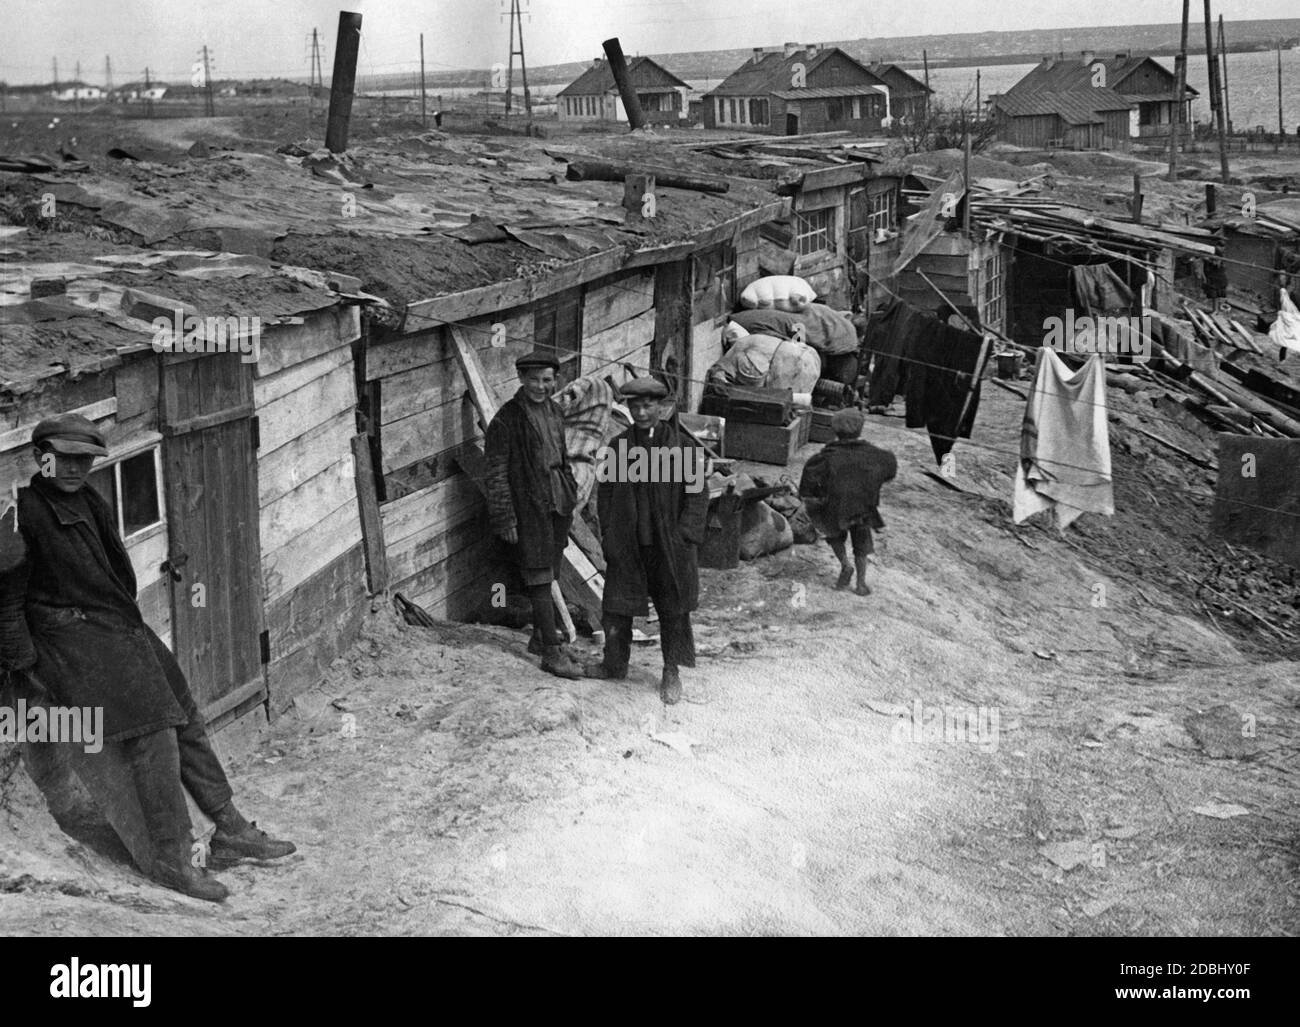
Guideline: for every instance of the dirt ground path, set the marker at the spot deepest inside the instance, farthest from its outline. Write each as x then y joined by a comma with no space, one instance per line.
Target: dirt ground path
481,796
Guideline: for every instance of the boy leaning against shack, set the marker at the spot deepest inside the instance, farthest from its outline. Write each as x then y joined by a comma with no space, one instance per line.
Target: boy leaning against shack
531,496
841,491
651,525
71,631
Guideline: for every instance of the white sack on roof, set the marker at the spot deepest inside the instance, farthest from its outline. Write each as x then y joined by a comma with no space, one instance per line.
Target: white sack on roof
784,292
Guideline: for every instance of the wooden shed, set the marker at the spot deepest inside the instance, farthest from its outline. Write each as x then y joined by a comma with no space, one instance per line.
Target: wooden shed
232,477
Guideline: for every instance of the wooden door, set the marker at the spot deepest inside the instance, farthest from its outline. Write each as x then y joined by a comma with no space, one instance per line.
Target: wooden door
792,124
210,477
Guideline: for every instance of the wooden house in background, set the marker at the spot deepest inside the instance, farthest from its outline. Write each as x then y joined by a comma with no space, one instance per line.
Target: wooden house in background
1147,86
594,96
800,90
1079,119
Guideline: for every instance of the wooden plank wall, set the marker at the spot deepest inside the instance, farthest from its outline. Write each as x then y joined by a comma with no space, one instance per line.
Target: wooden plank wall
441,554
312,555
706,334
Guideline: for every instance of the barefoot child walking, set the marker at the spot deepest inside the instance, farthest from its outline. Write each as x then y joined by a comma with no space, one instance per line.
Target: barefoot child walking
841,490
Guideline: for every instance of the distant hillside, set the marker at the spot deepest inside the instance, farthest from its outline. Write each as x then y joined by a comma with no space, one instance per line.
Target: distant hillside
957,48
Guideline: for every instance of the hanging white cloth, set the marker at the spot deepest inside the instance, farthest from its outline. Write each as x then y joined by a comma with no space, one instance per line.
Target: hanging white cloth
1065,443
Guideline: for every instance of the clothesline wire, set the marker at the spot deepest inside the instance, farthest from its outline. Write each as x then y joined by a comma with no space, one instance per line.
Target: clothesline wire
1114,477
487,332
971,442
1074,399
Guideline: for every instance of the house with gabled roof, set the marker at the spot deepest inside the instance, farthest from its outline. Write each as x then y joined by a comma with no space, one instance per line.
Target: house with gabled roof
1148,86
1075,119
800,89
908,95
594,96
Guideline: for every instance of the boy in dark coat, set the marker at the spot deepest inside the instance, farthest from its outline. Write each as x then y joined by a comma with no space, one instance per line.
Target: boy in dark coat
531,495
841,490
70,625
649,532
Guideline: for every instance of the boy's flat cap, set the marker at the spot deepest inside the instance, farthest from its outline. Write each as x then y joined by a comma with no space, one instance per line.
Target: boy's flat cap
538,358
651,388
73,434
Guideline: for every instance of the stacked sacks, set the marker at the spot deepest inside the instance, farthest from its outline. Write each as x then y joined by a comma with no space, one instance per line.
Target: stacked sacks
767,362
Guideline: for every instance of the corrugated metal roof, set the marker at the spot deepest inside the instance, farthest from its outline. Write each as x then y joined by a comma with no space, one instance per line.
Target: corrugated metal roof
824,92
644,72
773,73
882,70
1070,73
1076,107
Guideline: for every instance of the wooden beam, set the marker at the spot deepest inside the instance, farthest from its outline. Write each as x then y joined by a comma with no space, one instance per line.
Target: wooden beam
372,526
22,435
491,299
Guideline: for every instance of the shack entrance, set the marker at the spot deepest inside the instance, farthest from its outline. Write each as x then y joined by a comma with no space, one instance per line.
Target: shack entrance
210,476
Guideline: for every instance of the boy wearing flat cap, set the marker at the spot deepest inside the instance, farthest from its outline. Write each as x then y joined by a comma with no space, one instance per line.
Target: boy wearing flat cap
531,495
649,533
69,623
841,491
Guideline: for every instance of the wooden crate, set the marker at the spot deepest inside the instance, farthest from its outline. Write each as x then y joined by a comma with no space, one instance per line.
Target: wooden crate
821,426
765,443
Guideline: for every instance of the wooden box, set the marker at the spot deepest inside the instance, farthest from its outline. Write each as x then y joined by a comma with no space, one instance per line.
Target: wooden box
765,443
821,426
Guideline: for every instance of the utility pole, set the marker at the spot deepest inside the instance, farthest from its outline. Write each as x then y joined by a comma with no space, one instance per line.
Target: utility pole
1223,59
1180,90
1216,98
517,20
965,181
56,76
424,117
1281,129
108,75
925,62
76,88
209,108
343,81
148,100
978,107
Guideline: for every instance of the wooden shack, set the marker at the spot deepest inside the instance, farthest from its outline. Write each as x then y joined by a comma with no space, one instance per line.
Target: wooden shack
233,479
609,315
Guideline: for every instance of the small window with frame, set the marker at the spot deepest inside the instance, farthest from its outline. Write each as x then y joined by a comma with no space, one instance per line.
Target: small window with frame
132,487
814,231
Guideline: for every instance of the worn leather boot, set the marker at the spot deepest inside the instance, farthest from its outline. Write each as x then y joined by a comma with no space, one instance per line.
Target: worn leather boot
237,838
556,661
597,669
670,686
176,872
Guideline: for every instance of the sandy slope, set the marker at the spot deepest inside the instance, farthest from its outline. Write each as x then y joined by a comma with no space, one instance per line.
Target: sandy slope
481,796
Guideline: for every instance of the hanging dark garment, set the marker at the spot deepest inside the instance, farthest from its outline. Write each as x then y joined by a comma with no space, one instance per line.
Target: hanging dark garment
889,335
944,360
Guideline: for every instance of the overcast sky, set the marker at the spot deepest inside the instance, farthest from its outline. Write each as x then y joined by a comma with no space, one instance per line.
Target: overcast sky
270,37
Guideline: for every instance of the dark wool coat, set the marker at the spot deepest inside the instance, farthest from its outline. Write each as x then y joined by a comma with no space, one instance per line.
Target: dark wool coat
678,518
845,477
518,485
68,614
